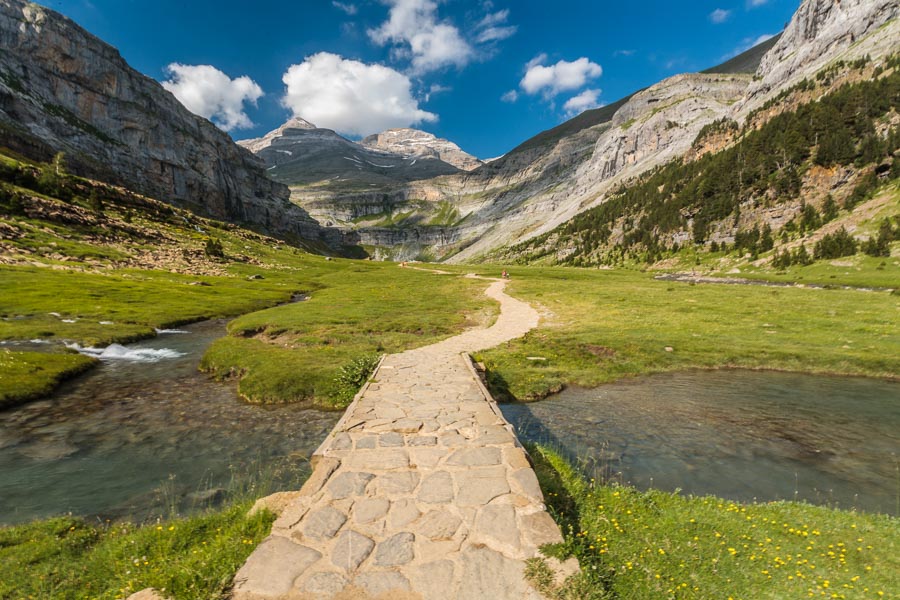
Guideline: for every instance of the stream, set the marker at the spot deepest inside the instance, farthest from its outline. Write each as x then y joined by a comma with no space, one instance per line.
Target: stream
741,435
147,435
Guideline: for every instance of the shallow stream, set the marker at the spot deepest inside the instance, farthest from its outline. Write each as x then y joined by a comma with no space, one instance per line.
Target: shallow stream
145,434
742,435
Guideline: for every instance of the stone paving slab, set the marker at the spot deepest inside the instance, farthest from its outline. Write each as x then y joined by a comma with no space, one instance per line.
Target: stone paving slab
421,491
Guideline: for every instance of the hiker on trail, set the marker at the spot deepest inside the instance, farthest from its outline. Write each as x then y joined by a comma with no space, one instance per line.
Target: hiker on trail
505,274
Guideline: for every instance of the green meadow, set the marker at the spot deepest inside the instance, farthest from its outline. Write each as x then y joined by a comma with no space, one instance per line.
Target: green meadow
307,328
634,545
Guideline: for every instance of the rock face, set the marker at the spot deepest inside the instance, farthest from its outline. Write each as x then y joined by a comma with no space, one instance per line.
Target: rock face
415,143
540,189
820,32
300,154
64,90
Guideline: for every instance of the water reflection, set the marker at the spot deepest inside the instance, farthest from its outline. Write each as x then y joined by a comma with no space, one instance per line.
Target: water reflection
742,435
132,439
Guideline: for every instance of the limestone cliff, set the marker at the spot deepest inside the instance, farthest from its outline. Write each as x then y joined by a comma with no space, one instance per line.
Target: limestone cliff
820,32
64,90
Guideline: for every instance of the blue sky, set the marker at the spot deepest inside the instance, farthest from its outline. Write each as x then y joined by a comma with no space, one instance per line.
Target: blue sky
487,74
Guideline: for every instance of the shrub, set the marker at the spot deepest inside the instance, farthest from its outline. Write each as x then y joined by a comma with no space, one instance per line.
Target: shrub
835,245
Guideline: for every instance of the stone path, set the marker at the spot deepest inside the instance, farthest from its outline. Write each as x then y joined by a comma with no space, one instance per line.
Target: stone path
422,491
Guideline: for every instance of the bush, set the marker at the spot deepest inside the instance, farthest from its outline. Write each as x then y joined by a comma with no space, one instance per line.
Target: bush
214,248
836,245
352,376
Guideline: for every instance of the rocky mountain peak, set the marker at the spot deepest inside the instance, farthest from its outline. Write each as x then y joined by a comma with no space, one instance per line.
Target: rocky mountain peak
298,123
292,127
421,144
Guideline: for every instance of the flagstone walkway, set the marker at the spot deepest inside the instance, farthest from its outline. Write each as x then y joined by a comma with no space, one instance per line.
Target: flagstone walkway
421,491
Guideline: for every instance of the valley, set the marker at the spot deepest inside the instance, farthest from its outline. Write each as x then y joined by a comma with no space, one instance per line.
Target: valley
717,250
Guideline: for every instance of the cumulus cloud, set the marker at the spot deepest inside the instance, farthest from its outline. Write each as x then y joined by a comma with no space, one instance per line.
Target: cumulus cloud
720,15
413,26
584,101
416,33
347,7
510,96
351,97
563,76
206,91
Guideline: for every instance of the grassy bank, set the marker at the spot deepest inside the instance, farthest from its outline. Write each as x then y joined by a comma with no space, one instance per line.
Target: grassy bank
297,351
27,375
637,545
67,558
604,325
94,264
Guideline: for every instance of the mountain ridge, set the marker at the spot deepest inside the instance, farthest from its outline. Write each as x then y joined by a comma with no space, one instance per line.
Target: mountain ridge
63,89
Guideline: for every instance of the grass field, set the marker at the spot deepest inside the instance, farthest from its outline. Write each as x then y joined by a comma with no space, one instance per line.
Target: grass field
635,545
191,558
295,352
600,326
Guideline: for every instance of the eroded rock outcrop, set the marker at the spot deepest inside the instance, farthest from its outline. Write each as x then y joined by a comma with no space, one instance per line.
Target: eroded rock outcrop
64,90
416,143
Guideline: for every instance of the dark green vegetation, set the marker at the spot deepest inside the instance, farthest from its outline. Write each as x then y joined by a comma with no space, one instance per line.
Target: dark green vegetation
67,558
606,325
767,165
746,62
636,545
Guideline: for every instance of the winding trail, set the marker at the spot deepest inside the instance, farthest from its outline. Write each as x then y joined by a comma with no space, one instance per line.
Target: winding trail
421,491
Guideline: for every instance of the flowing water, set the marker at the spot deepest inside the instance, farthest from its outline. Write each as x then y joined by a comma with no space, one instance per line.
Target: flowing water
742,435
145,434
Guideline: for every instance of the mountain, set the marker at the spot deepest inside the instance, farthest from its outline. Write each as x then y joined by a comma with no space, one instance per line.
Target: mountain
421,144
298,153
548,180
64,90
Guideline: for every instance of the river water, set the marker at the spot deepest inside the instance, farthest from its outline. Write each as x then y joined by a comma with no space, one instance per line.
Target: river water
146,434
742,435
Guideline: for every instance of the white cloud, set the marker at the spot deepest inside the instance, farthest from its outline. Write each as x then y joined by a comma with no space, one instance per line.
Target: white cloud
416,33
585,100
351,97
493,27
413,26
624,53
510,96
436,89
206,91
561,77
347,7
755,3
720,15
